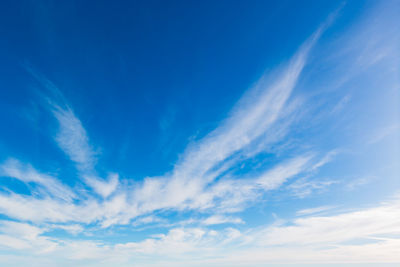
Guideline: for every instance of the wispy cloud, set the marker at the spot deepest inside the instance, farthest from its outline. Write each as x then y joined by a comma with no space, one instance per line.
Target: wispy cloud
72,138
274,178
26,173
304,187
22,236
341,104
254,114
313,210
359,182
326,159
103,187
382,133
192,183
220,219
368,223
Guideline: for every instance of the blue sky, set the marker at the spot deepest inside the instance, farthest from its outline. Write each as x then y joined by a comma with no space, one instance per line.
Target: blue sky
180,133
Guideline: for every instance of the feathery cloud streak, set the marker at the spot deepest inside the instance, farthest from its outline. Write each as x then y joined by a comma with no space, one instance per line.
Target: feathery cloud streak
190,185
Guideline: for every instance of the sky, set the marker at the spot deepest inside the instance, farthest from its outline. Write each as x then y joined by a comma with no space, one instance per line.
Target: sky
199,133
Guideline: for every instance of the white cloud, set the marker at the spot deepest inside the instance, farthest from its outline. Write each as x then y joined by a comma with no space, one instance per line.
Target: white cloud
191,183
304,187
103,188
16,235
314,210
326,159
74,229
382,133
254,114
358,182
221,219
28,208
372,223
274,178
341,104
72,138
21,230
147,220
24,172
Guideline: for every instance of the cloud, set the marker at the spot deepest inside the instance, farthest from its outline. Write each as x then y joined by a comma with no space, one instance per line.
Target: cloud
359,182
74,229
341,104
371,223
254,114
304,187
220,219
28,208
382,133
72,138
191,183
103,188
148,220
114,210
274,178
313,210
22,236
326,159
25,173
